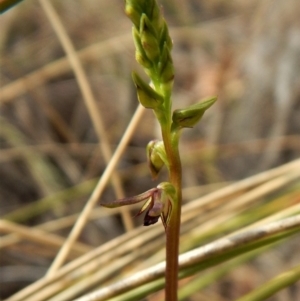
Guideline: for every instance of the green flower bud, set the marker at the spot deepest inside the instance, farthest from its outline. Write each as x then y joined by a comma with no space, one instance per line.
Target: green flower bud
188,117
136,4
156,156
165,65
140,54
156,16
133,14
149,39
148,97
165,37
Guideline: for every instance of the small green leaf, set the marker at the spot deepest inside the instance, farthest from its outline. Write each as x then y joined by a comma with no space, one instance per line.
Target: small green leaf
148,97
188,117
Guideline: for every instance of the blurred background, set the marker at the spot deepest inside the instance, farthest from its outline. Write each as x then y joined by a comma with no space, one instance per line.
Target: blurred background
246,52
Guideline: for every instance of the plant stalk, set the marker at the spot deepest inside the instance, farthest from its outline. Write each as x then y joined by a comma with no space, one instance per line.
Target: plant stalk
173,228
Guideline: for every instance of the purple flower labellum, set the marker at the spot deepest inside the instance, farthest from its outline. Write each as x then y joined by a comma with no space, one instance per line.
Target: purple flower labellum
150,220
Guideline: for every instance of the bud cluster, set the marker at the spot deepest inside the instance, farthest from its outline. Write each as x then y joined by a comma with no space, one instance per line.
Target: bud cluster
153,49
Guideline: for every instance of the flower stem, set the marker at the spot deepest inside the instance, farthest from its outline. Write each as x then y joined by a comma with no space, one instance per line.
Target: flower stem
173,227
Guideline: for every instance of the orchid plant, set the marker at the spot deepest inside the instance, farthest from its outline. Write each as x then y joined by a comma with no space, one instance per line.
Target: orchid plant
153,47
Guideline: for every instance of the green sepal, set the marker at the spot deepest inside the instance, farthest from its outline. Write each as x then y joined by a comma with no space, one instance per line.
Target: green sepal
188,117
148,97
157,158
149,39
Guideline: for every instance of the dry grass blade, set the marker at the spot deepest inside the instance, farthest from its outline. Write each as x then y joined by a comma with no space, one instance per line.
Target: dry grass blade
89,263
42,172
88,97
95,116
61,66
56,225
195,257
243,185
102,182
39,236
129,241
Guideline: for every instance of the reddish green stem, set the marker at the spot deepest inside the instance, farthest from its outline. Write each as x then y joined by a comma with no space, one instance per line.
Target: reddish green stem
173,228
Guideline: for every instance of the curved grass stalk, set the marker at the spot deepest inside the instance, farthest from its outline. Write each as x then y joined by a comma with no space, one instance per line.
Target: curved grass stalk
96,118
